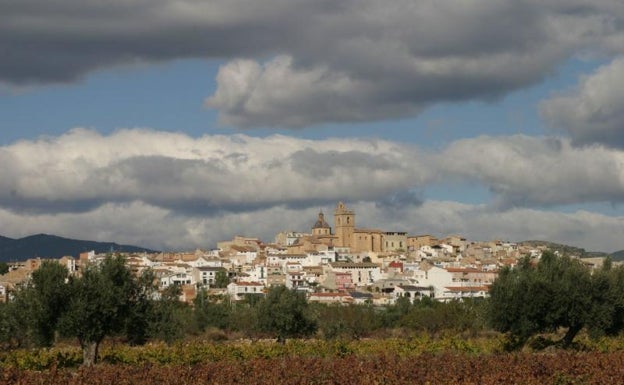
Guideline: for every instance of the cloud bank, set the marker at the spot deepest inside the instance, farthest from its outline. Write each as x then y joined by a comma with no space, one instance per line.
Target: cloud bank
83,170
171,191
302,62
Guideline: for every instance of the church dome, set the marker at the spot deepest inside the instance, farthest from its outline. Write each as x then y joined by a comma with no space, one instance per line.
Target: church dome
320,222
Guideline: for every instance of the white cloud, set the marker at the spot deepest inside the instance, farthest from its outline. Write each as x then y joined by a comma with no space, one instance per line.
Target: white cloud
171,191
82,169
276,93
532,171
584,229
145,225
594,111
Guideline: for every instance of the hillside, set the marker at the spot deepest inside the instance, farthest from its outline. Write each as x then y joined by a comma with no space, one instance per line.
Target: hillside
4,240
617,256
51,246
565,249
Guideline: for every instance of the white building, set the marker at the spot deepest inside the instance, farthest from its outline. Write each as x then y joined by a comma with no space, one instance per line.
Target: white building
362,274
238,290
413,293
206,275
173,278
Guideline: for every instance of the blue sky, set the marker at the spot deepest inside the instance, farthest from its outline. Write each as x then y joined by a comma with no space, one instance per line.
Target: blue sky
175,124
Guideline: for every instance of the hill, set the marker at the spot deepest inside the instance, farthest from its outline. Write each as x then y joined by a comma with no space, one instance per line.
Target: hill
565,249
618,256
4,240
52,246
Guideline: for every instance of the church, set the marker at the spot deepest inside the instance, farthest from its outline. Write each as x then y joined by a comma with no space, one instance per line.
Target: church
347,237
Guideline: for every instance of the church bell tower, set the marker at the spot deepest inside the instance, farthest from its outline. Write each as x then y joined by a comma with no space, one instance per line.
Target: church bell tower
344,224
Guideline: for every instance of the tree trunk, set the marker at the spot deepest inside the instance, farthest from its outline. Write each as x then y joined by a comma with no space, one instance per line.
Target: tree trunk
567,339
90,353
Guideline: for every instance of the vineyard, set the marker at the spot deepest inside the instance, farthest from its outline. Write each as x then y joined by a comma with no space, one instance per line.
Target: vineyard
416,360
427,368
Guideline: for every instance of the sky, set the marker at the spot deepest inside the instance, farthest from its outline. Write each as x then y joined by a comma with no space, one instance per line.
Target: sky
173,124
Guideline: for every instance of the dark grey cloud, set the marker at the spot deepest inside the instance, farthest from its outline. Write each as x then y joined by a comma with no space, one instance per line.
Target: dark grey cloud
389,60
323,165
399,206
301,62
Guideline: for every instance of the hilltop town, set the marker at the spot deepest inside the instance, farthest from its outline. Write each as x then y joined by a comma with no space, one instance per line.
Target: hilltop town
344,264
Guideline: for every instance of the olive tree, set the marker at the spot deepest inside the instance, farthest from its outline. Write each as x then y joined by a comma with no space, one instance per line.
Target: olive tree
32,316
555,293
100,303
606,316
285,314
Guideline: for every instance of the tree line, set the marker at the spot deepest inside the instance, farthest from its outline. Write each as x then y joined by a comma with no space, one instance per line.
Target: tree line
107,300
557,293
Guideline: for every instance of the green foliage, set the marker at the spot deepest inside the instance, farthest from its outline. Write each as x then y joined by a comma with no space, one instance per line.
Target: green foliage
434,317
559,292
350,321
285,314
41,359
142,313
606,316
195,352
221,279
210,313
244,318
48,293
393,313
8,325
100,304
31,318
4,268
168,323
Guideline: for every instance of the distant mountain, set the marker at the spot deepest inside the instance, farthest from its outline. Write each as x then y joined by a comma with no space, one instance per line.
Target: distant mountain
52,246
618,256
565,249
5,240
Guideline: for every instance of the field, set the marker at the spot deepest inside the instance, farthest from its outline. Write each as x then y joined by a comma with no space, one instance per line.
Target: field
421,360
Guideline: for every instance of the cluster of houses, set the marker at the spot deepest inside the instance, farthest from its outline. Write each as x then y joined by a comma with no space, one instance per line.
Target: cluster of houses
349,265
